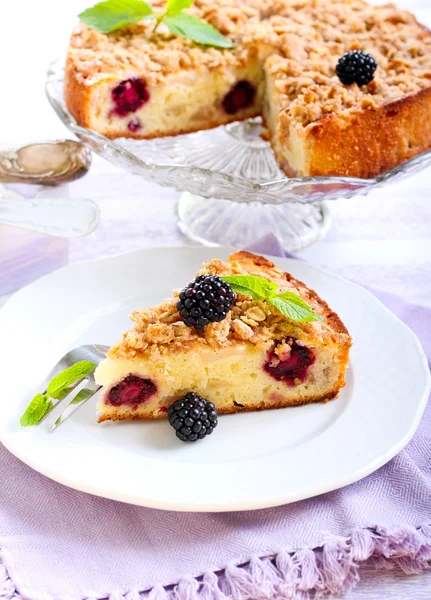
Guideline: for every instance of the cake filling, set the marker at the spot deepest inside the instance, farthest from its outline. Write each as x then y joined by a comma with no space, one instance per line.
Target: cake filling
240,96
292,366
131,391
129,95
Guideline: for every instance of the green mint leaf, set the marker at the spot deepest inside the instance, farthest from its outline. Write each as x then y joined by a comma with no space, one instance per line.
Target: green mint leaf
62,381
194,29
82,395
251,285
174,7
294,307
112,14
36,410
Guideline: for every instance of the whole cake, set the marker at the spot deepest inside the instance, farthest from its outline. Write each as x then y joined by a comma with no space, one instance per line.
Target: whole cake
248,356
137,83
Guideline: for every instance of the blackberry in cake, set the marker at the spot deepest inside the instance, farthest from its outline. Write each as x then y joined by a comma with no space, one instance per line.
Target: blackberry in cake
255,358
140,84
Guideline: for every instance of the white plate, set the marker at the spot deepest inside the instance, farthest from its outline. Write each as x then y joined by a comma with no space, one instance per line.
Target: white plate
252,460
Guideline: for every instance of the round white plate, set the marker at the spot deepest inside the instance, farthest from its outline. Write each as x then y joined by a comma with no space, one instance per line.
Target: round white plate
252,460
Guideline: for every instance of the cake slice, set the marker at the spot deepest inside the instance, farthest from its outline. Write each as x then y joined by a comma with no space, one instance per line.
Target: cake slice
255,358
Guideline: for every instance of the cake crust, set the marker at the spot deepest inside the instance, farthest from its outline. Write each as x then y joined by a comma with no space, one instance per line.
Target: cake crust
372,141
132,416
363,144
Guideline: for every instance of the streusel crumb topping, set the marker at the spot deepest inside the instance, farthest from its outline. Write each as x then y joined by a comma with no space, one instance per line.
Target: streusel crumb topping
306,84
136,50
160,330
302,38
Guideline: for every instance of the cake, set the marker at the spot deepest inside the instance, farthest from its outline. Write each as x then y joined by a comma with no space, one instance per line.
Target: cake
140,84
255,358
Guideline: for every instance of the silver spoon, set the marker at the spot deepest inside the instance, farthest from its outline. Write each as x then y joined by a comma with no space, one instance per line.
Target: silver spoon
46,163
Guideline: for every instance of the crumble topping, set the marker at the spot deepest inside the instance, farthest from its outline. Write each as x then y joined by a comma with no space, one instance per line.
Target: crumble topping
302,38
136,50
160,330
305,82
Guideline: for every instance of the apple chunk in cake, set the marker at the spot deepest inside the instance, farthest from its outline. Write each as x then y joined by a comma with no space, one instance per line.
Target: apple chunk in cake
254,359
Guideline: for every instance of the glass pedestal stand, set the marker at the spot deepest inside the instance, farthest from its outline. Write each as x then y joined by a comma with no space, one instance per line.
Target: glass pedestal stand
215,222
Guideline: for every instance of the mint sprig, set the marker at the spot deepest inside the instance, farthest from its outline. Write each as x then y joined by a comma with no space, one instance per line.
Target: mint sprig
36,410
60,384
57,389
251,285
287,303
196,30
111,15
173,7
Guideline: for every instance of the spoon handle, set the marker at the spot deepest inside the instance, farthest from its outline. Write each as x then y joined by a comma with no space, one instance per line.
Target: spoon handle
63,217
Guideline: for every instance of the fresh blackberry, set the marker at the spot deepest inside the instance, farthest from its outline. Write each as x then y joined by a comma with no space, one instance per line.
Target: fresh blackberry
356,67
192,417
205,300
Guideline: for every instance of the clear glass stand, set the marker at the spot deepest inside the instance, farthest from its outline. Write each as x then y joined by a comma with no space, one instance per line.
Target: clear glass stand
215,222
233,191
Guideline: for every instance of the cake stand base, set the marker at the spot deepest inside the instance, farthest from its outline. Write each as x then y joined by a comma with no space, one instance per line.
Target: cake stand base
215,222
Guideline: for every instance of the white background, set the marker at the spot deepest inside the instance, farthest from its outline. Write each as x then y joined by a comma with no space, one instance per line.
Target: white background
386,233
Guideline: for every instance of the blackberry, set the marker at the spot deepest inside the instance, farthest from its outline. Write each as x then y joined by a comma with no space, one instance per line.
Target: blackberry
128,96
356,67
192,417
240,96
205,300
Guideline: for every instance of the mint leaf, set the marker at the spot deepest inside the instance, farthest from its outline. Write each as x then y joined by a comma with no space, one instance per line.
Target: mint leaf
251,285
174,7
82,395
289,304
62,381
36,410
194,29
112,14
293,307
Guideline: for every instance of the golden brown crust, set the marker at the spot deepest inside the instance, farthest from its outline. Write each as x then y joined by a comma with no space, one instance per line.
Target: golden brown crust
76,95
372,141
243,115
131,416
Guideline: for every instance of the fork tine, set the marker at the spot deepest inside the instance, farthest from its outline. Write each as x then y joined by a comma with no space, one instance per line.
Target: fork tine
91,352
62,400
82,397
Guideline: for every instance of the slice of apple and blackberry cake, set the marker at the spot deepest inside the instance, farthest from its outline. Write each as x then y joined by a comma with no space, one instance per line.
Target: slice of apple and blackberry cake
236,351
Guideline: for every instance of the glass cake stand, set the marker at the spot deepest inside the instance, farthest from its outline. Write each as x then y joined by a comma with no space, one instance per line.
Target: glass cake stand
233,191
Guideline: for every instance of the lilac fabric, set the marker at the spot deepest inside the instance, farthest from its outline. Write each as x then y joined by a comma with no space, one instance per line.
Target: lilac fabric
60,544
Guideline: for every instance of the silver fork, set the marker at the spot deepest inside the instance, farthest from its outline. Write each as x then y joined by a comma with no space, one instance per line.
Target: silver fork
94,353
